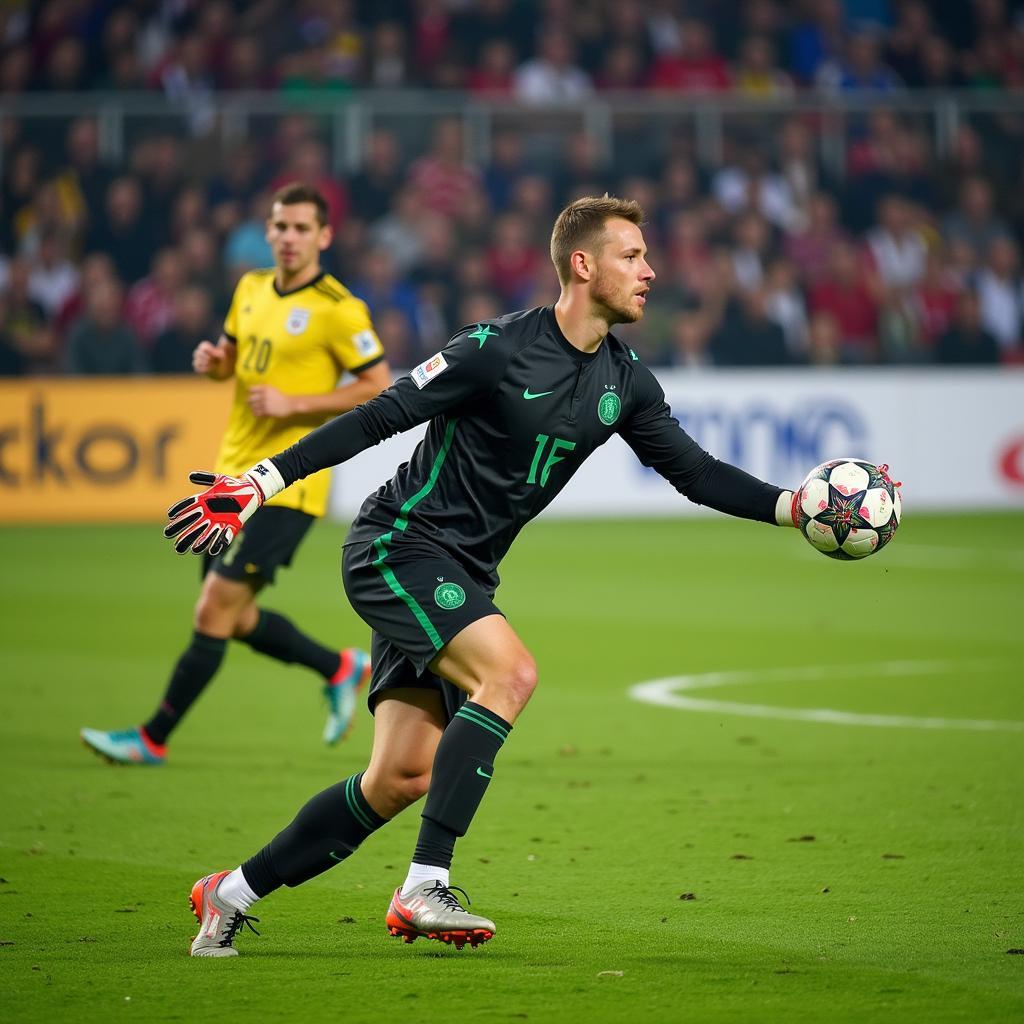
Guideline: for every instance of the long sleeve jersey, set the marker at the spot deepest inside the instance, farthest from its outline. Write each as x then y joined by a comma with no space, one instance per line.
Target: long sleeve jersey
514,410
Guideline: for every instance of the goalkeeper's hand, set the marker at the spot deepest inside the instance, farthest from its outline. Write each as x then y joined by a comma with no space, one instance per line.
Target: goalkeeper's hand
210,521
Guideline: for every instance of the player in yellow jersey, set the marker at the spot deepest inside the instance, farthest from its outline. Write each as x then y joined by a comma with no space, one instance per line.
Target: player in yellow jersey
291,331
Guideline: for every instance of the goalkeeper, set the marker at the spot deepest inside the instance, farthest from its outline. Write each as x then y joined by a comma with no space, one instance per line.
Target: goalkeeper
514,408
290,333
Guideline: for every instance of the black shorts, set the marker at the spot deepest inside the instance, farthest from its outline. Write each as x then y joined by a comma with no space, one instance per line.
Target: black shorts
269,540
415,598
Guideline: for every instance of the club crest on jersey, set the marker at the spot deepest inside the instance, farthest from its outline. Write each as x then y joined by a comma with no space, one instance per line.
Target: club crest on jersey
423,374
608,408
298,320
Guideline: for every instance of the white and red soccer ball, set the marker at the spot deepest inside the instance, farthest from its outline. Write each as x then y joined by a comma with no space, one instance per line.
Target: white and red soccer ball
848,508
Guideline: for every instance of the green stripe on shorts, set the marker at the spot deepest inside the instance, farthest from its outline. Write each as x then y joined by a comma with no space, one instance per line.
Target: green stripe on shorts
397,588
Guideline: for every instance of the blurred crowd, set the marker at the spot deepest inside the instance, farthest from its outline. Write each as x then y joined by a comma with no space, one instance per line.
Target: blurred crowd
768,256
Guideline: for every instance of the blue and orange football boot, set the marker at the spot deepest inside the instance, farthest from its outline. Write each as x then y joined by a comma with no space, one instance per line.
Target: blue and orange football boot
126,746
341,692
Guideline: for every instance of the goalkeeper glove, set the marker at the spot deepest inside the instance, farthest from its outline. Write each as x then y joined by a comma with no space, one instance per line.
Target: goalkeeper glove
210,521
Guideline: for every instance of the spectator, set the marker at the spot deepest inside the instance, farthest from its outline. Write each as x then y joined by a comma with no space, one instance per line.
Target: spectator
895,246
974,221
506,167
966,341
817,41
513,261
746,335
1001,295
246,247
96,268
750,253
824,340
150,306
373,188
21,179
12,360
905,42
476,307
690,334
843,292
696,68
308,163
26,327
382,288
399,231
53,278
758,73
622,69
443,177
124,233
581,163
934,300
552,76
191,322
245,66
809,249
749,185
99,343
786,306
159,163
84,179
388,64
186,77
493,75
862,70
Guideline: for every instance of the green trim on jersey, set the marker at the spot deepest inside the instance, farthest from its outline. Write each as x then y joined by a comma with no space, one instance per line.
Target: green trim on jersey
435,471
397,588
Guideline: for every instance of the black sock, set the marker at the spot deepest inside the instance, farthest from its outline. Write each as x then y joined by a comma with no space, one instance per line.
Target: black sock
326,830
279,638
196,667
463,765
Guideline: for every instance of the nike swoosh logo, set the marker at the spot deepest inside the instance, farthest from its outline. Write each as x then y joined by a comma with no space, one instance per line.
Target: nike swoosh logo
528,394
480,771
333,855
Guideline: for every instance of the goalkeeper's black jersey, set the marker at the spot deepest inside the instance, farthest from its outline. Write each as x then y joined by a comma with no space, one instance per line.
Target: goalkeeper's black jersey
514,409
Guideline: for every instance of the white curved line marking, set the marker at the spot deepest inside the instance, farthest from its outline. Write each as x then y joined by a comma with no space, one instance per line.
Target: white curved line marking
665,693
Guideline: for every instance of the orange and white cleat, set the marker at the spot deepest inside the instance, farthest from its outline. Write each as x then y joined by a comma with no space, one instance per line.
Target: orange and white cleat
218,922
433,912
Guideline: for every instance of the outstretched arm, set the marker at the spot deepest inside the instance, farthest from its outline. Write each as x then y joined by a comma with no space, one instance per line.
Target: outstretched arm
658,441
212,519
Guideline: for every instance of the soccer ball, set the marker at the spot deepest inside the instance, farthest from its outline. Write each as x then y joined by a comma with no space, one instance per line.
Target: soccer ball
848,508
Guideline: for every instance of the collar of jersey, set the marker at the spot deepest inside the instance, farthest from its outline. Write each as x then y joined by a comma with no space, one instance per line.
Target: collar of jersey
292,291
565,343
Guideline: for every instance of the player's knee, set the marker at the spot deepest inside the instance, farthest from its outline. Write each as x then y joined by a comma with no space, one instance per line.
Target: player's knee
214,617
521,680
392,791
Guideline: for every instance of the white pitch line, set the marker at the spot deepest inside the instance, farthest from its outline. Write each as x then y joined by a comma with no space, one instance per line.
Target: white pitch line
665,693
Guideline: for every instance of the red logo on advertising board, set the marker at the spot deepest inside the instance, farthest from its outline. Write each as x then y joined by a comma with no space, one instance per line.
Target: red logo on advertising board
1011,462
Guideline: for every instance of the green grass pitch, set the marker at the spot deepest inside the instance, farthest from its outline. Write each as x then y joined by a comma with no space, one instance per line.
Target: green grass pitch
838,871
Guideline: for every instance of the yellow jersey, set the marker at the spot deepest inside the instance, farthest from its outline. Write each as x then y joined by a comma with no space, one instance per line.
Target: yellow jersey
300,342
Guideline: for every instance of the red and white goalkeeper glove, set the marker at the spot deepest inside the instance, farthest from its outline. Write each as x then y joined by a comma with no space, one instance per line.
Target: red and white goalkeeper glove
210,521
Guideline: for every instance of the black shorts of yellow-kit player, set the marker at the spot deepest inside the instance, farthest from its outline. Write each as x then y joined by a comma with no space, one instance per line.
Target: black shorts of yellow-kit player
415,598
267,542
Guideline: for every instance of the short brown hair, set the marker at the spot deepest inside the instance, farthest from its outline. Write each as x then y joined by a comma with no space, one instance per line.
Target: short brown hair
581,226
300,192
